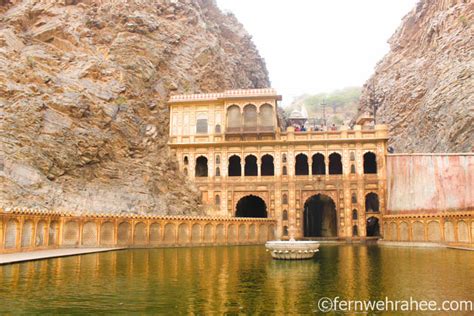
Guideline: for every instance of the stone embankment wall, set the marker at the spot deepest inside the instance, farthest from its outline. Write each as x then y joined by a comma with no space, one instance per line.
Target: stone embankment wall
430,198
25,230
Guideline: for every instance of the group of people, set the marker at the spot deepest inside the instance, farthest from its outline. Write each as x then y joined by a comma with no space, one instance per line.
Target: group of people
302,128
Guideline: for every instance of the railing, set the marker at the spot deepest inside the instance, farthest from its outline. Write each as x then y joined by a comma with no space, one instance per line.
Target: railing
250,129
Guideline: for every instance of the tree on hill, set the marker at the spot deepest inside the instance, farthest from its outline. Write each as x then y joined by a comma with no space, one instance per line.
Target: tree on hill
341,105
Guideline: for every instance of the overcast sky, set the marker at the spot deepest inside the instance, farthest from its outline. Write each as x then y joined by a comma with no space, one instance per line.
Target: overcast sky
313,46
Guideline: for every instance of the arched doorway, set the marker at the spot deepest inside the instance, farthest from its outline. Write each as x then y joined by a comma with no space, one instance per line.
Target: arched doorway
319,217
370,162
372,203
373,227
201,167
250,168
268,168
301,165
335,163
251,206
234,169
318,166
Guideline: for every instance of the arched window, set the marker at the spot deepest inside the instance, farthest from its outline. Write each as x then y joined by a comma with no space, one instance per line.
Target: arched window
352,156
201,166
217,199
186,160
335,164
285,215
372,202
218,172
318,166
234,166
251,166
233,118
355,231
217,129
370,162
354,198
354,214
301,165
266,116
284,172
267,168
353,169
285,230
283,158
250,117
201,124
218,159
284,199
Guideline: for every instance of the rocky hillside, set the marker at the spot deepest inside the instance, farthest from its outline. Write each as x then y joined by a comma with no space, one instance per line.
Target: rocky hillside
83,86
425,84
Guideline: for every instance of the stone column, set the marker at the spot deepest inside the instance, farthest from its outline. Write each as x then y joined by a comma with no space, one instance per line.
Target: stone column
310,169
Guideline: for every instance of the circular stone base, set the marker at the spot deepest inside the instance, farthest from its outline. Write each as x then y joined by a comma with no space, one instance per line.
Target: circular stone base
292,250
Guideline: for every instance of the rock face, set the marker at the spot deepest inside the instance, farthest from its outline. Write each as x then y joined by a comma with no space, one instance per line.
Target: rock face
425,84
83,86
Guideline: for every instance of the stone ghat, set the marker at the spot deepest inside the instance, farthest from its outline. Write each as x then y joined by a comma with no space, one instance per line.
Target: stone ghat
34,229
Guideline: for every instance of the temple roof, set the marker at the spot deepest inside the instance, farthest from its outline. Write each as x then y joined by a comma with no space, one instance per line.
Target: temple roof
227,94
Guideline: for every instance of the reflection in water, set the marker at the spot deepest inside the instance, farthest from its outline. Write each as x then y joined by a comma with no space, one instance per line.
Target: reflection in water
232,279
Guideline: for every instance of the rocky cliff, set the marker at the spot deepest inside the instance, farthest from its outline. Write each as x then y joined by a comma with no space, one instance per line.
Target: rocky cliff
425,84
83,86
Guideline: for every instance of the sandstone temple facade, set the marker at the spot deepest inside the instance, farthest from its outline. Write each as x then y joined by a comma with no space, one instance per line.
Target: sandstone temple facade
260,182
319,184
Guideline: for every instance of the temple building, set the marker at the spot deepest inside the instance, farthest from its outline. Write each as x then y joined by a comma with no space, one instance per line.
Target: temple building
319,184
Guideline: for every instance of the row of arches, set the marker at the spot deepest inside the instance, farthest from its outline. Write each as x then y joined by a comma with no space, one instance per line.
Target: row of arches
318,165
267,167
30,234
428,231
26,235
169,233
250,118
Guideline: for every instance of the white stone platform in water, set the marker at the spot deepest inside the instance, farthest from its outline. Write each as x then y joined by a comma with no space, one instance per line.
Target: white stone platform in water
49,253
292,249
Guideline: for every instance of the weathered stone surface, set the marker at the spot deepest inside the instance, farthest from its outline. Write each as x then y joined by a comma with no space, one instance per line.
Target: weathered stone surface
430,183
83,86
426,81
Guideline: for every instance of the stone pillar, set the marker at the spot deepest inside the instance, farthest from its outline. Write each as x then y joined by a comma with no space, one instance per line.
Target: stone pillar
310,169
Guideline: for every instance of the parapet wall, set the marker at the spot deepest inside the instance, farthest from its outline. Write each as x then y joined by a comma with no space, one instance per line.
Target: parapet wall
430,183
430,198
26,230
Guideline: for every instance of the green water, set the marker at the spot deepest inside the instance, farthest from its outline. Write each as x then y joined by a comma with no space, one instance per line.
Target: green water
231,280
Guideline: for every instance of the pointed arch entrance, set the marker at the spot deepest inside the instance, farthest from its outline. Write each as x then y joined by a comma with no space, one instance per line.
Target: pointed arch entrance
319,217
251,206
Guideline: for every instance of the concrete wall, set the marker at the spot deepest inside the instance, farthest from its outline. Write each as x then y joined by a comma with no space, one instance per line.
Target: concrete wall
430,183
